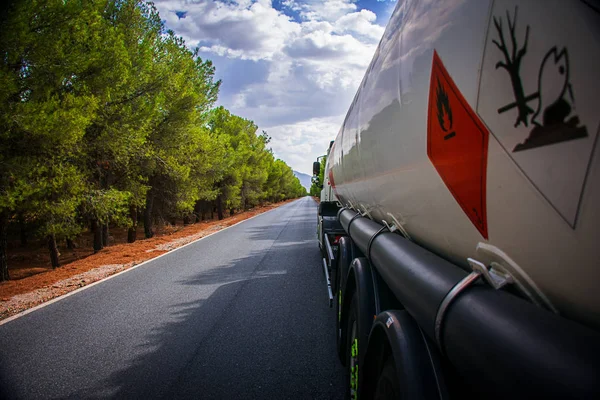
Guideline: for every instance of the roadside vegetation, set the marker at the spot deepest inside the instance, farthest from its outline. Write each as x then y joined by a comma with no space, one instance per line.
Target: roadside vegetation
108,119
317,183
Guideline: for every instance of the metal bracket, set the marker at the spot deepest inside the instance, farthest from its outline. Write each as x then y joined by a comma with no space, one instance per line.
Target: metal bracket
329,292
350,205
500,261
391,228
396,226
330,254
497,279
366,213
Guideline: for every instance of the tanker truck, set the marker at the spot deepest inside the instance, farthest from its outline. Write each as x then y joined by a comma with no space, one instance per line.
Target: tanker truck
459,220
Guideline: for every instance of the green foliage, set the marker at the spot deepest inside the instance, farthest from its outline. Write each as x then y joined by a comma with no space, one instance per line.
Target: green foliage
103,111
57,192
108,205
251,175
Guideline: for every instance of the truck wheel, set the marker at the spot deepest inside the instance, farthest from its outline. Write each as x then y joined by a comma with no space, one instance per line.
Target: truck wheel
344,259
399,361
338,325
352,355
388,386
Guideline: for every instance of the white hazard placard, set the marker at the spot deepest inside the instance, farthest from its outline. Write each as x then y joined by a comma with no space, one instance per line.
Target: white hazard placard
539,92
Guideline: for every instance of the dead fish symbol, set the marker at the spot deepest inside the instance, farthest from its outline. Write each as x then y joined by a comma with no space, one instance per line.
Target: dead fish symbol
553,80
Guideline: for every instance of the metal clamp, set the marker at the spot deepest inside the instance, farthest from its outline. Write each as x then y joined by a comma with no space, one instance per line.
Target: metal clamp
357,215
496,279
372,238
452,294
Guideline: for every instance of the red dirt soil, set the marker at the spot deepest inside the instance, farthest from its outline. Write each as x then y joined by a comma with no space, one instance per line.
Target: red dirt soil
33,281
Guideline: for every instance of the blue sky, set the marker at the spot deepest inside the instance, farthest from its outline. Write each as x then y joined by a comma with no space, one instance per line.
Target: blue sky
291,66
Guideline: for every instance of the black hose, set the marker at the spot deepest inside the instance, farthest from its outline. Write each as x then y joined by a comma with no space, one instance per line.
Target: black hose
494,339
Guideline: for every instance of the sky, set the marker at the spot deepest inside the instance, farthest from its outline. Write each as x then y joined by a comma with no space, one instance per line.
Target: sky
291,66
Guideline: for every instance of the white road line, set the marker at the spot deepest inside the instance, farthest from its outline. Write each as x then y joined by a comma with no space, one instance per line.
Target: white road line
54,300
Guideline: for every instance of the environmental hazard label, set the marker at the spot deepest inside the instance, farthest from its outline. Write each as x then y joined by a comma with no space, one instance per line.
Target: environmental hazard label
538,93
457,143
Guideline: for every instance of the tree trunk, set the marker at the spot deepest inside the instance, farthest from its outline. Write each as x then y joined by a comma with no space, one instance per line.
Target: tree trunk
231,212
3,243
105,235
203,208
132,231
198,211
53,251
148,216
186,220
22,231
97,235
70,244
219,208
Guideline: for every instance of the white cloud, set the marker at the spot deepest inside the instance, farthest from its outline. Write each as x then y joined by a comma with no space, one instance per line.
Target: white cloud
246,30
315,62
328,10
299,144
362,23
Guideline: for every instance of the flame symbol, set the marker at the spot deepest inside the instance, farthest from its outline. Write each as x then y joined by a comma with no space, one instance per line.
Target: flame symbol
443,107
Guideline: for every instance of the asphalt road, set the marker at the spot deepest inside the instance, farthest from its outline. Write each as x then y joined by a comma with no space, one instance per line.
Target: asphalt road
241,314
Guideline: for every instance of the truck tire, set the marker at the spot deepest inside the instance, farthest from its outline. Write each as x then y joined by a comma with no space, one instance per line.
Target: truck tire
344,259
388,386
357,318
399,361
352,355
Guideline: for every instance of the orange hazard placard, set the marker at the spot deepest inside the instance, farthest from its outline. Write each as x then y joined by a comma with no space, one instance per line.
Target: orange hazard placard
457,143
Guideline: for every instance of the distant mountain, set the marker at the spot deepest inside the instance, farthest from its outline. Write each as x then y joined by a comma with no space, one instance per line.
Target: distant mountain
304,179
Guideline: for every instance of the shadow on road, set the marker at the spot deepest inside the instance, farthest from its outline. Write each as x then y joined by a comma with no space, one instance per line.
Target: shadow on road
191,325
264,332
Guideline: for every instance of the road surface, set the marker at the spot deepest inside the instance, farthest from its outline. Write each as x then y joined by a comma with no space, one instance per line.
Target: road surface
240,314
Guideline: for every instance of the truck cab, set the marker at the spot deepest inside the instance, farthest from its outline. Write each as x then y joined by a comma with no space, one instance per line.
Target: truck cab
329,228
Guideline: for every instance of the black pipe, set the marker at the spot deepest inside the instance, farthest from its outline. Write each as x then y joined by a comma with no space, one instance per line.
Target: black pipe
496,340
418,278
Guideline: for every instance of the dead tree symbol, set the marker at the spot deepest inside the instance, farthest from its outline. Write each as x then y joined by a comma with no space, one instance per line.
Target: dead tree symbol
512,64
